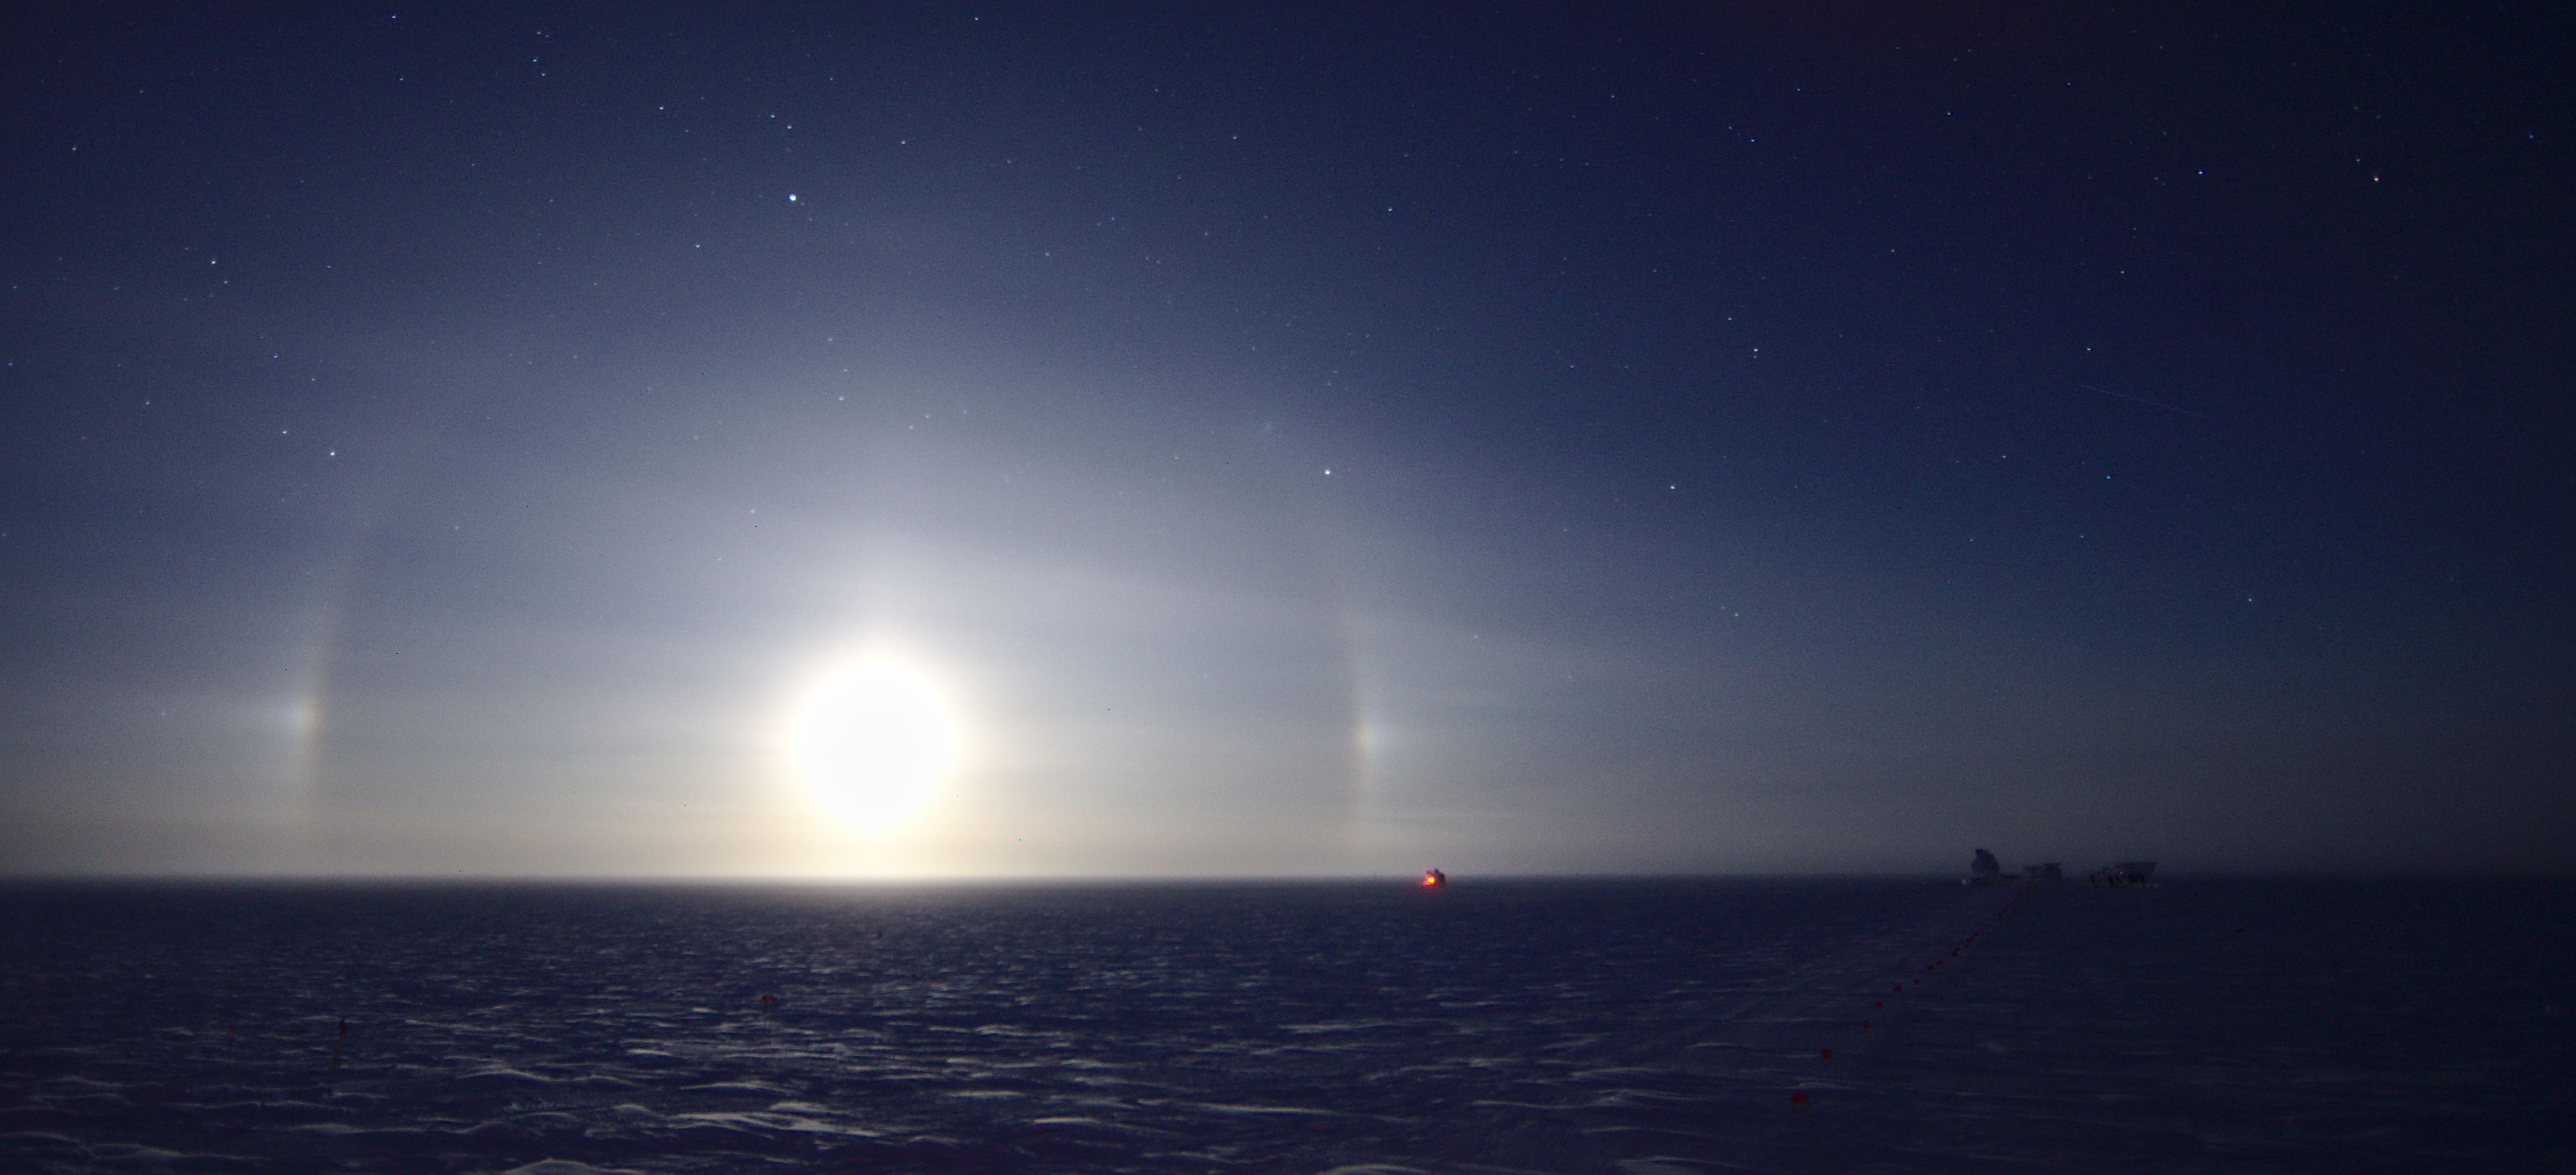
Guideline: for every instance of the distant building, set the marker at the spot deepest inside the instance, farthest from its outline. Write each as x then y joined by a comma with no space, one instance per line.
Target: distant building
1986,870
2124,873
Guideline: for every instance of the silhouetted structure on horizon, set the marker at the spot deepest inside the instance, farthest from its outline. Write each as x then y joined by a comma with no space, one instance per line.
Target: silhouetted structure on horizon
2123,873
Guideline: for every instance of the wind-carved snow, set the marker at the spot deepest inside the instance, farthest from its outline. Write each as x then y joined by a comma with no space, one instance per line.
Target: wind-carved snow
1630,1027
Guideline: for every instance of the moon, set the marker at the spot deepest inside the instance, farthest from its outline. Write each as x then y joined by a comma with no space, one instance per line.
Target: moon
873,743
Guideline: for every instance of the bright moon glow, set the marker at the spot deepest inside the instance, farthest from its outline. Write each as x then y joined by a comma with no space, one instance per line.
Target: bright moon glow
873,744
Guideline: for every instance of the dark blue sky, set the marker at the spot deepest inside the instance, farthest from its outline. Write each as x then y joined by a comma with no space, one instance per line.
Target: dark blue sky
1065,440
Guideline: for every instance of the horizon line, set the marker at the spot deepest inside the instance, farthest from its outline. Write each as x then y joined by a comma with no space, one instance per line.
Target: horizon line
992,880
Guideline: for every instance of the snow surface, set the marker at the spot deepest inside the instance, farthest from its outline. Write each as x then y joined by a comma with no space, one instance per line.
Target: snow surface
1595,1026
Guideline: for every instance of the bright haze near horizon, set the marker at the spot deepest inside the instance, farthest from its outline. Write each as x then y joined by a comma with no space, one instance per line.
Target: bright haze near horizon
949,441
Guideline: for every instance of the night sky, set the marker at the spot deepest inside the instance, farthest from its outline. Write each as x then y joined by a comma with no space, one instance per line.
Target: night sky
1024,440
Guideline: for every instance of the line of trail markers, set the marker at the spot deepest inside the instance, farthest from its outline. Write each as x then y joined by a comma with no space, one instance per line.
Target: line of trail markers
1801,1098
